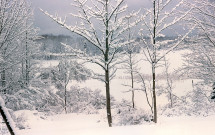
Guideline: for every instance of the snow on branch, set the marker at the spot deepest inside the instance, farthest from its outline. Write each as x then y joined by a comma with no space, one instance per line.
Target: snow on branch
177,44
122,9
76,29
176,20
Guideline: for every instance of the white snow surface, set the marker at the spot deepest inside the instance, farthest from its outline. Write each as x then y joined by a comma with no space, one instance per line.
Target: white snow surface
82,124
96,124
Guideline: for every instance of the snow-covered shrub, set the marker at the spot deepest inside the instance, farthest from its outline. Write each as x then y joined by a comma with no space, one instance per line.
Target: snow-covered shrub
3,128
180,107
37,96
21,121
83,100
68,70
126,115
196,102
200,100
33,99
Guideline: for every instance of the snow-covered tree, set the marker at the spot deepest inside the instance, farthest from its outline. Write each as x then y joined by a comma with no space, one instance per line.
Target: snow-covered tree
200,100
200,60
100,22
164,15
29,48
144,89
130,64
68,70
203,15
14,17
169,83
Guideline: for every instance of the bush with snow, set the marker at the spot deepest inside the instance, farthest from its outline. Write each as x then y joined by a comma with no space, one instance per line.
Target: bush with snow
127,115
196,102
21,121
83,100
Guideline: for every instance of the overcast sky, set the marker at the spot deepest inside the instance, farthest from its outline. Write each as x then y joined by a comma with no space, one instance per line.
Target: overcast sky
63,7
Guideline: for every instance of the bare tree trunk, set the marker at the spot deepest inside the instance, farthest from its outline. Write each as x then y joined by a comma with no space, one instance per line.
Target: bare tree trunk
6,121
23,74
153,67
154,96
171,102
132,87
66,81
133,105
107,77
65,100
130,51
108,105
132,75
3,77
26,61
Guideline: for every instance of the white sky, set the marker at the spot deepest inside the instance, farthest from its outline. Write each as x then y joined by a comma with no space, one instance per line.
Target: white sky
62,8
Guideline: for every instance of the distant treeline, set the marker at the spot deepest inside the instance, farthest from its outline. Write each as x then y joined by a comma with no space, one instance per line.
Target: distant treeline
51,47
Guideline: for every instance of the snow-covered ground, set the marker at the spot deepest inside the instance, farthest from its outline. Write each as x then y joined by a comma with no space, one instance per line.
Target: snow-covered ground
96,124
80,124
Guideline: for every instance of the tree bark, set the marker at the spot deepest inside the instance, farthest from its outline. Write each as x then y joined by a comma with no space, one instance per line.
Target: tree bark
154,96
3,80
107,77
132,87
153,66
26,61
108,105
3,77
65,99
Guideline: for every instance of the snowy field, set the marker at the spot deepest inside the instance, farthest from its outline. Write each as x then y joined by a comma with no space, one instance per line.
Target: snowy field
79,124
96,124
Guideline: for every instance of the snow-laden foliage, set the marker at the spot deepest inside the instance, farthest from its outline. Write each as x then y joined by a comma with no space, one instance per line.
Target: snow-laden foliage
196,102
16,36
73,69
127,115
46,92
83,100
33,99
200,60
200,100
203,15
